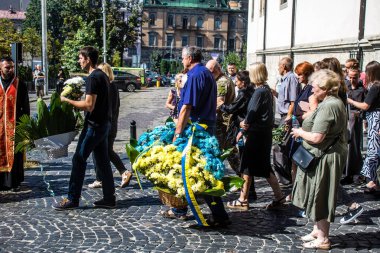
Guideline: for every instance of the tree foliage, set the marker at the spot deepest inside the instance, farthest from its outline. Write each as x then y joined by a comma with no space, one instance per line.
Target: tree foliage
85,35
232,57
67,17
8,35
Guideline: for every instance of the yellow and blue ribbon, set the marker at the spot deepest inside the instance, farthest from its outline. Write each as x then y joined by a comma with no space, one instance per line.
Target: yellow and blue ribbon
185,161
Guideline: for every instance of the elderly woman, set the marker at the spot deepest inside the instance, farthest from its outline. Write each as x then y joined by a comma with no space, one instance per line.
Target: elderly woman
324,132
371,105
258,126
304,106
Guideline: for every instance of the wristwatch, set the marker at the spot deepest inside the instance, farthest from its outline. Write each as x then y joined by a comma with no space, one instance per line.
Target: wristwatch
177,135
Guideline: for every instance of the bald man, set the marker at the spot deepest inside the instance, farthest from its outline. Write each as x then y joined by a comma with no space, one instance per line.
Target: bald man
225,95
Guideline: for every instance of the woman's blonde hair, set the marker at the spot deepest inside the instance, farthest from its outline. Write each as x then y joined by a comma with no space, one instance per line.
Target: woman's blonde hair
258,73
106,68
178,81
326,80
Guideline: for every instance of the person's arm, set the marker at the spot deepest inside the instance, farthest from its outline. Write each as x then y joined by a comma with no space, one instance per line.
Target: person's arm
314,138
88,104
313,104
169,101
274,92
219,102
290,111
183,118
360,105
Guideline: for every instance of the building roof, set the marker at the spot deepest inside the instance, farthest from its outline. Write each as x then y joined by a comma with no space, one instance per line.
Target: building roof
18,5
17,15
188,3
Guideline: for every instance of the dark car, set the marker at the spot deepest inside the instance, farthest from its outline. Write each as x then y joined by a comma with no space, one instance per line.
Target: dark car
126,81
153,77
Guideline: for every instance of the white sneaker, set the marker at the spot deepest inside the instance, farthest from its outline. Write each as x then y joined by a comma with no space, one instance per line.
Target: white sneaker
95,184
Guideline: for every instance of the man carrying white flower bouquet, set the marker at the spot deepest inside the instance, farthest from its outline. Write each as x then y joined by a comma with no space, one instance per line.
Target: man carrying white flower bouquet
94,136
198,103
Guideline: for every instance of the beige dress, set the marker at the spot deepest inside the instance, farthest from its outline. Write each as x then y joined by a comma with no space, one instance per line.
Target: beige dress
315,191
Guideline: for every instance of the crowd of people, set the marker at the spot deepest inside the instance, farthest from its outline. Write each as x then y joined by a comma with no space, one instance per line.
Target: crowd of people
323,108
330,106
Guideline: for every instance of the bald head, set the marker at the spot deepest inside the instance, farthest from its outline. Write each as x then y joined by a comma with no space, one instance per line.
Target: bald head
214,68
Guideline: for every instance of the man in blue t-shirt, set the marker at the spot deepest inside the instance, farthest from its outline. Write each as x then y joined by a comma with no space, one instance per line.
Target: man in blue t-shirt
94,135
198,103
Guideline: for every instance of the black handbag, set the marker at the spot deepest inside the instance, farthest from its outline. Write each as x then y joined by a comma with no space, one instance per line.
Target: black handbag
305,160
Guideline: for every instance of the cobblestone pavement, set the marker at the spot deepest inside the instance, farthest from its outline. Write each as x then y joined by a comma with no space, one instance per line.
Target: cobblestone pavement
29,224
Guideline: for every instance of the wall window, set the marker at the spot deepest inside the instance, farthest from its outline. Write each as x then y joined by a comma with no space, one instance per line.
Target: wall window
217,42
185,21
152,19
199,22
232,23
231,44
199,41
283,4
185,41
169,40
152,39
218,23
170,20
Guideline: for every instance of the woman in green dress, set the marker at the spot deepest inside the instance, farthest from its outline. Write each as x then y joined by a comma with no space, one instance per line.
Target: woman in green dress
315,190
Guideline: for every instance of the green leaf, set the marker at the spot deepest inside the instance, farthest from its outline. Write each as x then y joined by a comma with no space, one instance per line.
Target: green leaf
214,192
133,142
131,152
232,181
226,153
169,119
162,189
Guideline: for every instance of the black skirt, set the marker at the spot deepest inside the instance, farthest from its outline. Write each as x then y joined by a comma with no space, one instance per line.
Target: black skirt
256,155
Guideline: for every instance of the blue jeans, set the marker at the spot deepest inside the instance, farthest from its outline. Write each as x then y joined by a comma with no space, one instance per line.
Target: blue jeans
214,203
92,139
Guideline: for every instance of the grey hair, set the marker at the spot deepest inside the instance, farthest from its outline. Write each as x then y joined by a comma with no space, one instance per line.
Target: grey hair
327,80
194,52
288,62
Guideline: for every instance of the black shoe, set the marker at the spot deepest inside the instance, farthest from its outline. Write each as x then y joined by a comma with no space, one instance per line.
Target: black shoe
218,224
65,204
352,214
109,204
347,180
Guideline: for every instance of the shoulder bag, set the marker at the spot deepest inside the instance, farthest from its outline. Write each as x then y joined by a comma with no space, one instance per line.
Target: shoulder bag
305,160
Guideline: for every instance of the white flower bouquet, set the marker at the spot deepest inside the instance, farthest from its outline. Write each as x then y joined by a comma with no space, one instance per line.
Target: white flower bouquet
72,88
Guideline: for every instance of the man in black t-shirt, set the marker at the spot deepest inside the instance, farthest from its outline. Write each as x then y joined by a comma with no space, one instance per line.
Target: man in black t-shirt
94,136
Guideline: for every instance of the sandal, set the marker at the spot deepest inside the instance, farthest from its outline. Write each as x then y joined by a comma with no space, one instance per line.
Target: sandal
316,244
308,238
277,204
170,215
125,179
237,204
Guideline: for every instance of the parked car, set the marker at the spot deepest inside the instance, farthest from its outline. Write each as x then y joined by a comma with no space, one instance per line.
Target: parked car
153,77
126,81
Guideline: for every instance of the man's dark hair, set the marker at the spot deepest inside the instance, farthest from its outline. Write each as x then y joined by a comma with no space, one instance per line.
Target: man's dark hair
6,58
90,52
231,63
288,62
194,52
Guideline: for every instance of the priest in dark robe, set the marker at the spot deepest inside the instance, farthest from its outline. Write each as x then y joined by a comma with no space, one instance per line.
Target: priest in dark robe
14,102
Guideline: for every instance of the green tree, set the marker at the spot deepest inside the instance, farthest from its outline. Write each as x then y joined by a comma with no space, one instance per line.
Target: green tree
232,57
155,60
164,67
85,36
65,17
8,35
31,40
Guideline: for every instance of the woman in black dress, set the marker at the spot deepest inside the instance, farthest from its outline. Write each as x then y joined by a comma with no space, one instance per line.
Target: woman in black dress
258,126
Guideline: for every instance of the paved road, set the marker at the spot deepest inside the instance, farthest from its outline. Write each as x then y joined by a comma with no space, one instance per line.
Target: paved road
29,224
